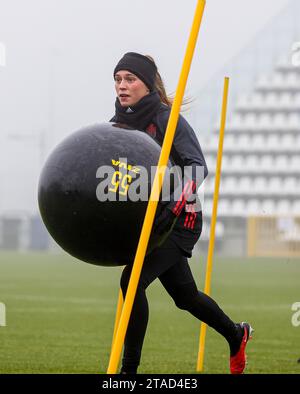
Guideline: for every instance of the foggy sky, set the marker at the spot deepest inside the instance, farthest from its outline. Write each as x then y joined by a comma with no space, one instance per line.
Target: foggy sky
59,61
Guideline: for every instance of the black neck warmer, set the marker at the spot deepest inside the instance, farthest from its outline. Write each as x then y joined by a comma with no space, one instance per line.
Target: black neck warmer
140,115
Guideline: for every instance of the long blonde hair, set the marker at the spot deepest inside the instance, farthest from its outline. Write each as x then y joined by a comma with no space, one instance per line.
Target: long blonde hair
161,90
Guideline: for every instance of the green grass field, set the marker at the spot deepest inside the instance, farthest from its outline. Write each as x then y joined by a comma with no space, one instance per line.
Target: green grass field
60,316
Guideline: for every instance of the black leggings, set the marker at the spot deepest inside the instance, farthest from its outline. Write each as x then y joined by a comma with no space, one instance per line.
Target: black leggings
169,265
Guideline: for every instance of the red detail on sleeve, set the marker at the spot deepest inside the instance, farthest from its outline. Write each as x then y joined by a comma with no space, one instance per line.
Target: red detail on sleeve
151,130
190,217
189,188
187,218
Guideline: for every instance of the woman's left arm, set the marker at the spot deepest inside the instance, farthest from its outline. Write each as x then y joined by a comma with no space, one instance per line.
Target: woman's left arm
187,148
186,153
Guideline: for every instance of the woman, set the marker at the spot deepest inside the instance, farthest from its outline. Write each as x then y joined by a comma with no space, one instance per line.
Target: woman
142,103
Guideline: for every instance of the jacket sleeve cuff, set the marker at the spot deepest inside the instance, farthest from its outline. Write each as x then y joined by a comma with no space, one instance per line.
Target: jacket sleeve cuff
188,190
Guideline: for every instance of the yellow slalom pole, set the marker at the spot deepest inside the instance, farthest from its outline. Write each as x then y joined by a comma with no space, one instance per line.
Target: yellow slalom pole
213,223
118,315
155,193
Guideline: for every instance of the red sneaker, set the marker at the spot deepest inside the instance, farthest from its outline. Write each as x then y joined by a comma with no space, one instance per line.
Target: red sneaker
238,361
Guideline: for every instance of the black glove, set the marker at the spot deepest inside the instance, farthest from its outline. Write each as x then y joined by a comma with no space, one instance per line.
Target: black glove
164,221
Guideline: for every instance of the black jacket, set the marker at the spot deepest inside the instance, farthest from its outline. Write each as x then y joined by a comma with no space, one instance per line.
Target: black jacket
185,152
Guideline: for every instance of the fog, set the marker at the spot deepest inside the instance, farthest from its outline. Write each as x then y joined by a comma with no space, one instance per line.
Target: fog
56,72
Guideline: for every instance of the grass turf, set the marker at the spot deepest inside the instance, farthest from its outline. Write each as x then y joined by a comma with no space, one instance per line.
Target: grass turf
60,316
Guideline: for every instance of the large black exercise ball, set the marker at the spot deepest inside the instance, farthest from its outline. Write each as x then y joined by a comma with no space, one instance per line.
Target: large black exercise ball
72,185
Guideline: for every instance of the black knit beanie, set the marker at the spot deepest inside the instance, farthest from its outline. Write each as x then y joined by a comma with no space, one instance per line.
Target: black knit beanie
141,66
